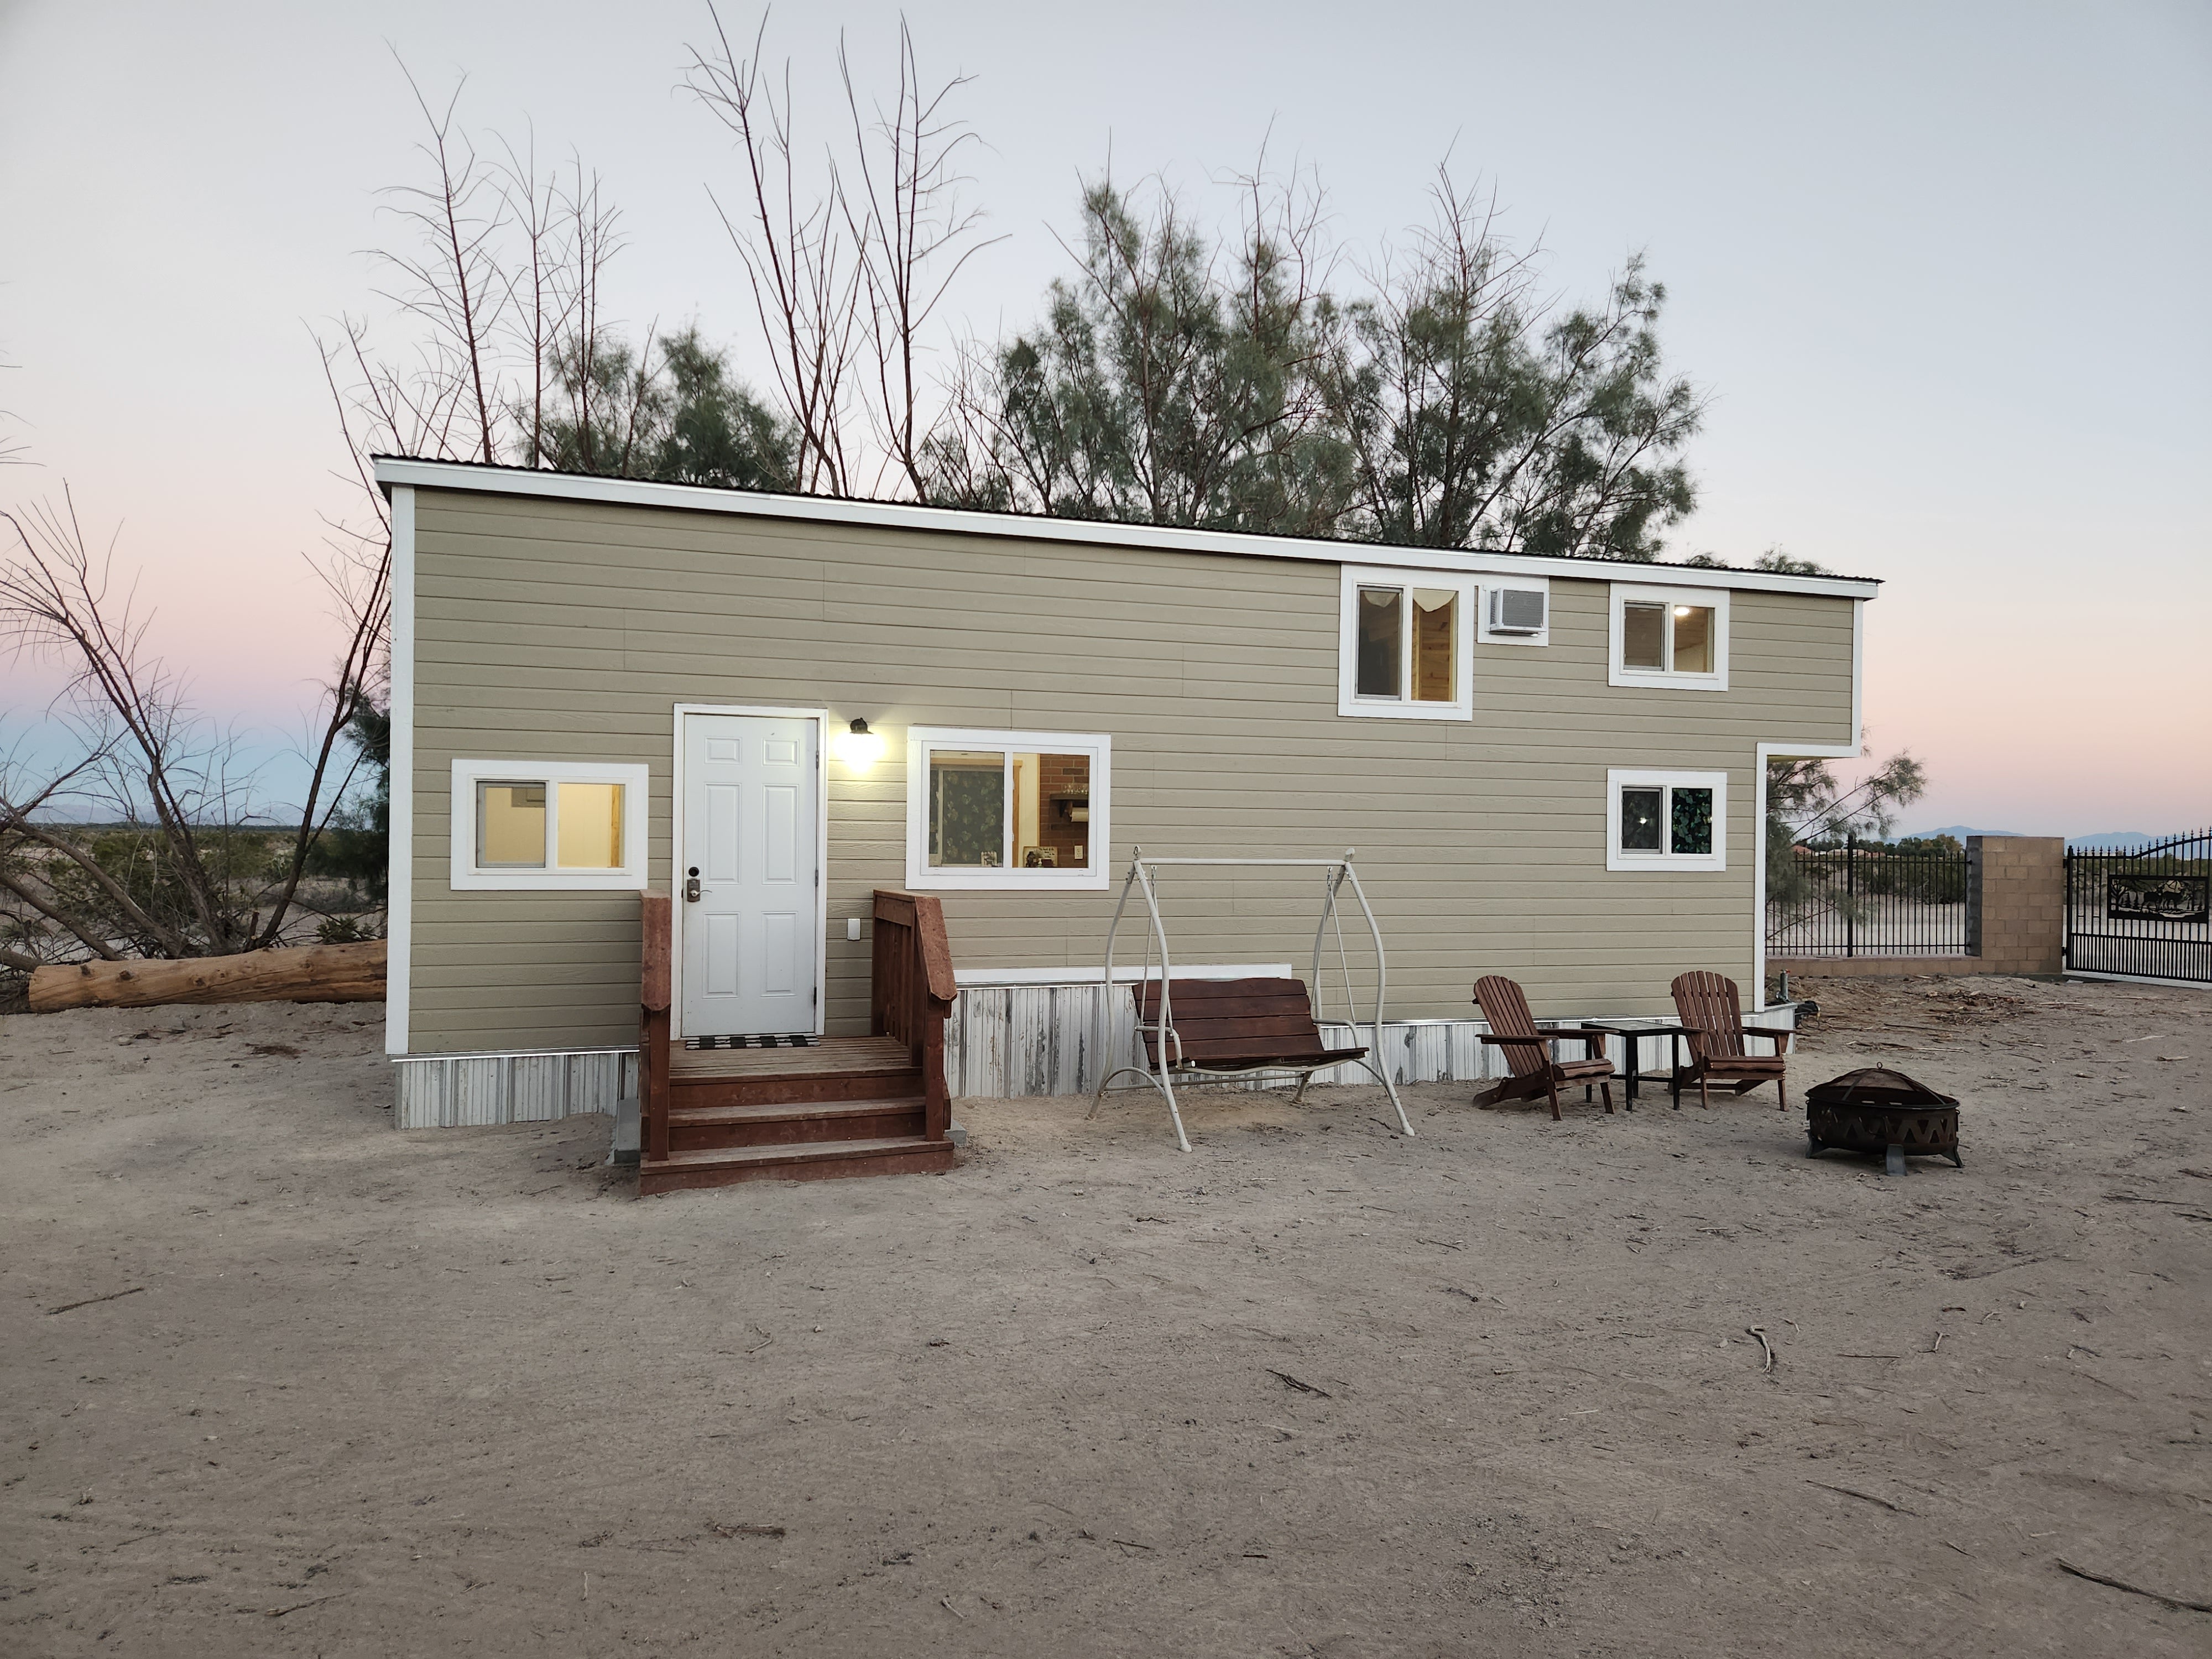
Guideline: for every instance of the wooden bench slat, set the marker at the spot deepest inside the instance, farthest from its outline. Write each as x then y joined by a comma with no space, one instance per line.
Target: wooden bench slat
1239,1024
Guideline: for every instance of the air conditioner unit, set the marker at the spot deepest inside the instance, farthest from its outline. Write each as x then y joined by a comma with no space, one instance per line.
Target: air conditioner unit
1517,610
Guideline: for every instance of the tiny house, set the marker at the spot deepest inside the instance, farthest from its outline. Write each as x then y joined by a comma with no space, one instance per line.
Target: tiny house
772,709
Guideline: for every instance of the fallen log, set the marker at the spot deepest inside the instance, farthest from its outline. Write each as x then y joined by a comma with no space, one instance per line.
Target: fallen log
313,973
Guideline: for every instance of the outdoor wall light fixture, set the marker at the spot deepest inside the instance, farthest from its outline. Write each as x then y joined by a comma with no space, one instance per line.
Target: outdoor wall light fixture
859,747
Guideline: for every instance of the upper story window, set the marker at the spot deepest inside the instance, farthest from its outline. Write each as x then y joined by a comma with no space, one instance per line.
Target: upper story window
1666,820
1670,636
1402,645
523,824
1008,810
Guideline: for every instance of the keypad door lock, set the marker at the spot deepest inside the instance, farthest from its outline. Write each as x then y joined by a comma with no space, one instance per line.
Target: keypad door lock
691,887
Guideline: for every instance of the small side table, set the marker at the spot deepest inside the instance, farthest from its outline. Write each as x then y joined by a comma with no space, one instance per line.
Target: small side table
1630,1076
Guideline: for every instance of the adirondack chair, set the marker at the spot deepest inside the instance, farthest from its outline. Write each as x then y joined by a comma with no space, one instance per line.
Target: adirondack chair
1529,1050
1707,1006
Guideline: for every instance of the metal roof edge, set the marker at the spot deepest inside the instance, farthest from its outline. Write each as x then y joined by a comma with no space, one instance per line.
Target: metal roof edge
487,478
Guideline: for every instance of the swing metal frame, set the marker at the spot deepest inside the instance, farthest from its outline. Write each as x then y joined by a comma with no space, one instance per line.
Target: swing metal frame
1162,1075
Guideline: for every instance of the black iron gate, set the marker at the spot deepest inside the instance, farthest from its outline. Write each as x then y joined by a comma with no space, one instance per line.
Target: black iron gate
2145,912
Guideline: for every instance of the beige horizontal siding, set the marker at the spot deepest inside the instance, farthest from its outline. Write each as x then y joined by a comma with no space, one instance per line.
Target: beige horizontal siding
562,630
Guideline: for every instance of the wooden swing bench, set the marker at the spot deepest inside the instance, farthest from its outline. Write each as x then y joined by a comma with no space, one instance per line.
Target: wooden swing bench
1233,1028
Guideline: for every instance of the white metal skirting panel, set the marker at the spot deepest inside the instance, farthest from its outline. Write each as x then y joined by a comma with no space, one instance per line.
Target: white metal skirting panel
1015,1040
1001,1041
457,1091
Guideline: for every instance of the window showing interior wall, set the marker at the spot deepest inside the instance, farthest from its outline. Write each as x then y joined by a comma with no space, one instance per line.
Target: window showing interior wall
1662,637
548,823
1404,647
510,826
1670,820
1012,813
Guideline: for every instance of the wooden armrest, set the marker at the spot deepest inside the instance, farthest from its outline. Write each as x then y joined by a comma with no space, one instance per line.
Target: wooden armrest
1523,1042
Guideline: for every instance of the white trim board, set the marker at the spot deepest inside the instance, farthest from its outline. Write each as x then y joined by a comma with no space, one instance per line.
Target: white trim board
821,719
395,471
399,874
993,978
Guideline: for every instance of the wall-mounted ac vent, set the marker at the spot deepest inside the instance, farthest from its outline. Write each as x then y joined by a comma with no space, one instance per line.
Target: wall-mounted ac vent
1517,611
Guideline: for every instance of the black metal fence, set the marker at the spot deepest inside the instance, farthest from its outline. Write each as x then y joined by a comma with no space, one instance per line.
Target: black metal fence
2146,912
1869,899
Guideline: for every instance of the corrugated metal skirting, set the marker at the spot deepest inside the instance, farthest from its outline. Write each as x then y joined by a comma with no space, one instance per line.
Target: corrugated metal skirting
1001,1041
1042,1040
455,1091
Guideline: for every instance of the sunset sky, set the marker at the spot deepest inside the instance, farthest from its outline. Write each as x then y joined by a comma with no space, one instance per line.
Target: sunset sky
1942,270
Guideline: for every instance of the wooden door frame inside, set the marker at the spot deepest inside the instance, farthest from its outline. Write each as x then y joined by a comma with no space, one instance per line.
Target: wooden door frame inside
676,866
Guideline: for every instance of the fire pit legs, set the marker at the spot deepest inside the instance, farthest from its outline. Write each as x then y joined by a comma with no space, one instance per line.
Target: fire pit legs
1895,1165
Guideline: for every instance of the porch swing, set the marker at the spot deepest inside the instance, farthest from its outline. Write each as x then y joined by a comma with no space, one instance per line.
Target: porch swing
1243,1030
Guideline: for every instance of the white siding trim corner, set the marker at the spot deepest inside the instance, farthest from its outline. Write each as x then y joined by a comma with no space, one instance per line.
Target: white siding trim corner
400,875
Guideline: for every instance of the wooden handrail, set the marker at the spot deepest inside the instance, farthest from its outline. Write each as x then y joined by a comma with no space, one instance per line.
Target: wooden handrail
656,919
911,990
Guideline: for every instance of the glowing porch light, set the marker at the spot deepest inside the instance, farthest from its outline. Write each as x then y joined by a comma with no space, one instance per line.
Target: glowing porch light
859,747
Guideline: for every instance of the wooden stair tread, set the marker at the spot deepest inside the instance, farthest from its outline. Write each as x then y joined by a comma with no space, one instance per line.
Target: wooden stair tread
831,1057
784,1111
797,1152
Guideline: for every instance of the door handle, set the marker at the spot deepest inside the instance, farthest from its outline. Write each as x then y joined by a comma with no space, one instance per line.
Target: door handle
691,889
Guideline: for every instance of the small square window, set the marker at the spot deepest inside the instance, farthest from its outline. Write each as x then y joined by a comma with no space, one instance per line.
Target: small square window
1644,637
1641,814
510,826
1666,820
1671,637
587,832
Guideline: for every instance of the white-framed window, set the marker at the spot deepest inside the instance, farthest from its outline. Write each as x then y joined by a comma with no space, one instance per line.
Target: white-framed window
1009,811
1672,636
1515,611
1666,820
1402,645
523,824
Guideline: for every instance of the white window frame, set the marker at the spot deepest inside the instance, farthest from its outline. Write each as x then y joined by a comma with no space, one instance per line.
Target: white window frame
1524,584
1403,707
1618,777
466,877
1714,599
1008,878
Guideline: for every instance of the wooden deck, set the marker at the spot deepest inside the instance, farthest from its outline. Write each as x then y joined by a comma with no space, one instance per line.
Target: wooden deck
831,1057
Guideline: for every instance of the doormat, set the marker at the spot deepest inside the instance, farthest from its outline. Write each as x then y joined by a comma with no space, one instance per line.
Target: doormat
801,1042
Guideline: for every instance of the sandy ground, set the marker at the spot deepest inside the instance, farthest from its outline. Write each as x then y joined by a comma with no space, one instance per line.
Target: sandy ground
1312,1390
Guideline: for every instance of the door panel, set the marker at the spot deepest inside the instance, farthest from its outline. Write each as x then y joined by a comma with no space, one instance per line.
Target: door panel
750,828
780,857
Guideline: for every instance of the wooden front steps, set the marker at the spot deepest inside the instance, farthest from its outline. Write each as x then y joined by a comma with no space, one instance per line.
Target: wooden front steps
846,1106
804,1160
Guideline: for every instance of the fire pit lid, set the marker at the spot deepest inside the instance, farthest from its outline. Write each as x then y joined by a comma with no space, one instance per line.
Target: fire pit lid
1875,1085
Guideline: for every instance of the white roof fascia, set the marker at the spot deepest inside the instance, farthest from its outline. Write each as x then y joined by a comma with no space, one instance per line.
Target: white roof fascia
899,515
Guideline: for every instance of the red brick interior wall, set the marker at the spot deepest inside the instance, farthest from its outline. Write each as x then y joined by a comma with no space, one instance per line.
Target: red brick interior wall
1063,779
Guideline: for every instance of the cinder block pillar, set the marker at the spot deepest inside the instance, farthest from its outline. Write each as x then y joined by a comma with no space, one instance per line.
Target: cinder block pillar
2016,902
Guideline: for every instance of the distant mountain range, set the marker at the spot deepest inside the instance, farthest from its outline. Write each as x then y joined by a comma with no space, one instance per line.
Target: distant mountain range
2110,838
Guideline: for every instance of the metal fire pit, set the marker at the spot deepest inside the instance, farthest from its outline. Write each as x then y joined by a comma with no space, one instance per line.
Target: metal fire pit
1876,1109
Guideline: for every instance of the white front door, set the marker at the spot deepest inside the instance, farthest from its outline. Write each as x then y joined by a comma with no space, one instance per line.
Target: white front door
748,875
